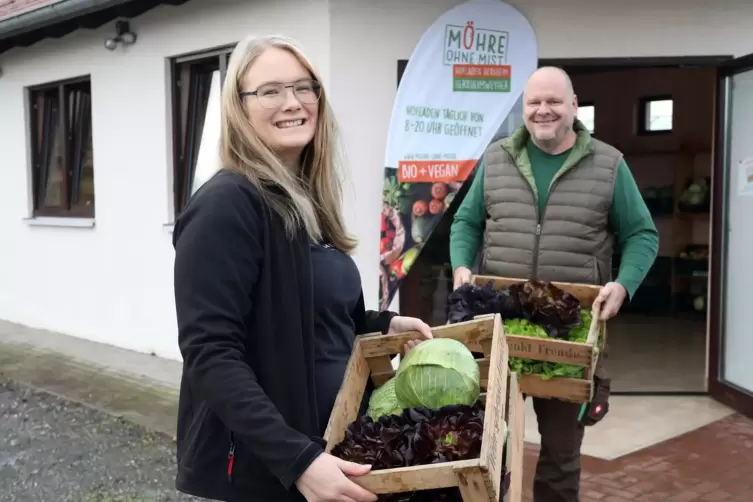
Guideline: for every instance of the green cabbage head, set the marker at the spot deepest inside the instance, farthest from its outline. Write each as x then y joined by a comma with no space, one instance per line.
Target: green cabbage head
383,401
436,373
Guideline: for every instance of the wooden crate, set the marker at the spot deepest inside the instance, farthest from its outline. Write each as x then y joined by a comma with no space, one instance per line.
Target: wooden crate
577,390
516,423
478,479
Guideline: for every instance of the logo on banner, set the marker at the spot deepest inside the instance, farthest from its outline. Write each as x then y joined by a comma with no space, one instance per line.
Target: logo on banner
469,45
477,57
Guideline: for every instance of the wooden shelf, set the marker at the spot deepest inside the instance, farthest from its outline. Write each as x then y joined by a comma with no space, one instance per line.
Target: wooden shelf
672,280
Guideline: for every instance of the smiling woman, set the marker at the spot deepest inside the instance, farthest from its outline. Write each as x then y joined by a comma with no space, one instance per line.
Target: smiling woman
268,300
254,144
286,121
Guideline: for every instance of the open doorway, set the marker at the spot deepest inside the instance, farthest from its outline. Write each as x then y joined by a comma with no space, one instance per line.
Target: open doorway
661,115
662,119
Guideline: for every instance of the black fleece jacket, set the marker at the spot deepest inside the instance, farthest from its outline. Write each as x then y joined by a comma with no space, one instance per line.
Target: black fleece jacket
247,418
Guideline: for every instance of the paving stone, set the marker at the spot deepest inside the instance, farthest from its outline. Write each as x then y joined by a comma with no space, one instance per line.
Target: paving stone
711,464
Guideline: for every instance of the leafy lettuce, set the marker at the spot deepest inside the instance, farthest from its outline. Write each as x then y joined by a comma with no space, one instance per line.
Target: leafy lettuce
547,370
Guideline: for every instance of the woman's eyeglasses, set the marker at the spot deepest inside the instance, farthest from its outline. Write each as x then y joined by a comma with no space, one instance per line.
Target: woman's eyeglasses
272,95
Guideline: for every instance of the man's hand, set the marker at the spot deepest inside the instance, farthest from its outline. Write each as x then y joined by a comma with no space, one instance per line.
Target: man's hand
610,299
462,275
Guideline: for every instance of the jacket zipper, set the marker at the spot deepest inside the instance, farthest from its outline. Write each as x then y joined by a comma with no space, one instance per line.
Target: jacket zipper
540,216
535,271
231,459
538,226
535,193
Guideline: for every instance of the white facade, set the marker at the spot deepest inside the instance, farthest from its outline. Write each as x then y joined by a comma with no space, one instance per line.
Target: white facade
110,280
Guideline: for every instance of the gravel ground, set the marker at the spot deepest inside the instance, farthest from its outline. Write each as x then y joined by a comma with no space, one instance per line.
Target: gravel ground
52,450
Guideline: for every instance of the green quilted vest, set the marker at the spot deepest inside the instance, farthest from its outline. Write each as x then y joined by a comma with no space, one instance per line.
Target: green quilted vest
571,241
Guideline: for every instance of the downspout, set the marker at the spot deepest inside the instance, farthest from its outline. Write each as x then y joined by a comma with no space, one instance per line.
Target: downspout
59,11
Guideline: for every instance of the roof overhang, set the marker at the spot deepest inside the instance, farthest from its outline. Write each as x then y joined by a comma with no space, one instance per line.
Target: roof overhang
56,18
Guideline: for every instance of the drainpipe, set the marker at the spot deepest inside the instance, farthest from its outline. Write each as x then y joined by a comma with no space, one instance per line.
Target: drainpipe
57,12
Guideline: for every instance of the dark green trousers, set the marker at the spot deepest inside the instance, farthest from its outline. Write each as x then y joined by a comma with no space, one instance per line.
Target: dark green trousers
558,470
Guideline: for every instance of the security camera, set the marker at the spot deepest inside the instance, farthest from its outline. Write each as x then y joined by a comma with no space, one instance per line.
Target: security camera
123,34
128,38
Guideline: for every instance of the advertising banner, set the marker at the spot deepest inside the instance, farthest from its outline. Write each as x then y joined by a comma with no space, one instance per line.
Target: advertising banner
463,78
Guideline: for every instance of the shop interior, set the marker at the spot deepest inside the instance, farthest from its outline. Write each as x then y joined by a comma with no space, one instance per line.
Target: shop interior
662,119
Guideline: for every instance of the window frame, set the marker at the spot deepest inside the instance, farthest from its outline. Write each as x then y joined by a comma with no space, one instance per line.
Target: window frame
186,131
586,104
43,146
643,115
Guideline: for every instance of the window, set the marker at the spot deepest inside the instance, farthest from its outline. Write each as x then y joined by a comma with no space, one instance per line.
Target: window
656,115
587,115
61,148
197,80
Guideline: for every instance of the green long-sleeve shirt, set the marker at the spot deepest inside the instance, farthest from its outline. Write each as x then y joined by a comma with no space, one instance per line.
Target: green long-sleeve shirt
630,219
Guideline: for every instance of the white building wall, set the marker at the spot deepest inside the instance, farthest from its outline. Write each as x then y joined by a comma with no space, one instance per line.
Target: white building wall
113,283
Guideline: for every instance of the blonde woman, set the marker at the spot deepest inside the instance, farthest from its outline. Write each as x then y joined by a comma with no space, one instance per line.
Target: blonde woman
268,300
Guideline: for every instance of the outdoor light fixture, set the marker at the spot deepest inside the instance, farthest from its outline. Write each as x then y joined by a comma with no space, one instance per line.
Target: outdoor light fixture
123,34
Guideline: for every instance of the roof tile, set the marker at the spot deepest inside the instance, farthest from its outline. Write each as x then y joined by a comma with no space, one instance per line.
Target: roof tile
12,8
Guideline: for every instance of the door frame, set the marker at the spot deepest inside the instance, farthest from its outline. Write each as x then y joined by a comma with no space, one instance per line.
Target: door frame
601,65
719,389
727,66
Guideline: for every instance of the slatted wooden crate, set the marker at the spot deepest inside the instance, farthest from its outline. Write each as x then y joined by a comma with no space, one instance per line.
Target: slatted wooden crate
479,480
578,390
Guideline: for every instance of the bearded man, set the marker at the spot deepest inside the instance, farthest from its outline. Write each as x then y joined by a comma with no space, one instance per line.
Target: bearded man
549,203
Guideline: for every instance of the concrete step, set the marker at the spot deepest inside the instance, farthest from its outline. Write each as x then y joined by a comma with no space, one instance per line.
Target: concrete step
138,387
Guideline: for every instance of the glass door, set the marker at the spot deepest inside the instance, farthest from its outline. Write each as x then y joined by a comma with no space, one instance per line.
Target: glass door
731,340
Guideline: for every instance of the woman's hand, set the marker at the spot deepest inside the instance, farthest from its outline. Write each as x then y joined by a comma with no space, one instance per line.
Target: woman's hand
326,480
401,324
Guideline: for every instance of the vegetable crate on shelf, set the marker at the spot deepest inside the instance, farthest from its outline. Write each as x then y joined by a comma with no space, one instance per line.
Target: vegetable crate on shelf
577,390
480,479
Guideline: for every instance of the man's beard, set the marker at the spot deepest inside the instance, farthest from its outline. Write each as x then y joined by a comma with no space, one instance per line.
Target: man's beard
552,136
547,135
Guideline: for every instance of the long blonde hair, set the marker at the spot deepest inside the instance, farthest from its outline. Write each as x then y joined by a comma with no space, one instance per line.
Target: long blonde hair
310,199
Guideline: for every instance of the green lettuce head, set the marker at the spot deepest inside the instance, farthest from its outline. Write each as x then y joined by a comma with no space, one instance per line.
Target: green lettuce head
436,373
383,401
